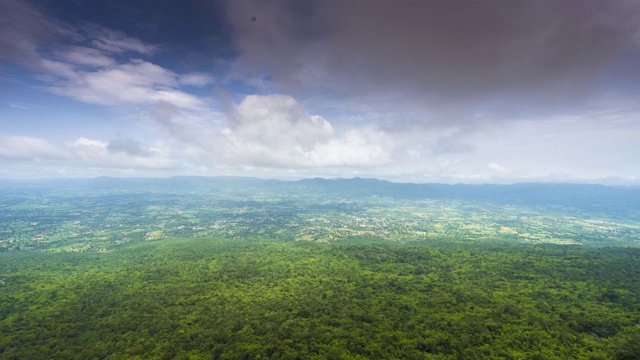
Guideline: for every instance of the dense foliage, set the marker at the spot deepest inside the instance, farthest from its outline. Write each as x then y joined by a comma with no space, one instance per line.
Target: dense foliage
265,299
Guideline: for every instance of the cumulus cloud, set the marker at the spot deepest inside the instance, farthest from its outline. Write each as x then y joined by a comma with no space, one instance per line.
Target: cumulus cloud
276,130
356,148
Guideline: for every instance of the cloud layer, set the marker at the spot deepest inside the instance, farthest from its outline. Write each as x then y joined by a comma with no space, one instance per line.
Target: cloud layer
468,91
448,61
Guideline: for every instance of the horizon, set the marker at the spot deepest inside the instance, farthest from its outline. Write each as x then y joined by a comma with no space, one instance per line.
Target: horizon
419,92
248,177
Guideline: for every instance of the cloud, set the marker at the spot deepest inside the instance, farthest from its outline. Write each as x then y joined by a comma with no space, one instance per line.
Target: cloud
28,148
197,130
116,42
114,154
356,148
498,168
137,82
277,131
129,146
28,33
451,143
402,89
438,62
121,154
23,29
85,62
196,79
82,55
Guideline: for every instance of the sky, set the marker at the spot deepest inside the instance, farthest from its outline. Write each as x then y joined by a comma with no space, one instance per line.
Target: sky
448,91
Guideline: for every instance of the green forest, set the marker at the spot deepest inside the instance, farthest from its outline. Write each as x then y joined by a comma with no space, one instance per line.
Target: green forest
241,268
361,298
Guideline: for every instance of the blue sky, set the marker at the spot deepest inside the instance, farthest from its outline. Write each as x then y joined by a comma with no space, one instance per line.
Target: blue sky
420,91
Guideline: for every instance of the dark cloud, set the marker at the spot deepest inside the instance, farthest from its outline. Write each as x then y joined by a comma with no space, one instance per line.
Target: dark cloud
496,57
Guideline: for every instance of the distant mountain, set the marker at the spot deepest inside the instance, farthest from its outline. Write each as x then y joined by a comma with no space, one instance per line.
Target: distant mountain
590,197
597,198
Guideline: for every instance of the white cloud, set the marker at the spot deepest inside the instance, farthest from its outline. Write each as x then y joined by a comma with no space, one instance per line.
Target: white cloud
84,143
276,130
27,148
196,79
84,63
84,156
498,168
116,42
121,154
198,131
134,83
52,70
82,55
366,147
